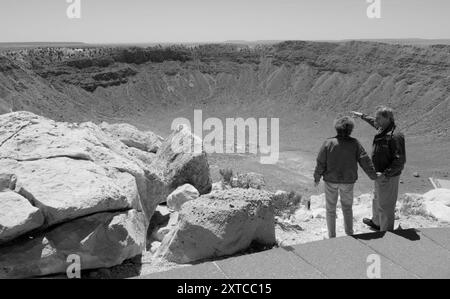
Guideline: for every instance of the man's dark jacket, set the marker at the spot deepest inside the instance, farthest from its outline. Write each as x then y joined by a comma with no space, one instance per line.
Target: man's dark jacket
338,160
388,152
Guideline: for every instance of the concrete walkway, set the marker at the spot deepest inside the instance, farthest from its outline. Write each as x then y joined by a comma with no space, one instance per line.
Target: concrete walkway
410,253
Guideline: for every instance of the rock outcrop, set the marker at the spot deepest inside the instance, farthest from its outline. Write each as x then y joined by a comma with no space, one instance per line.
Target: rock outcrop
64,189
219,224
182,163
69,188
100,240
77,155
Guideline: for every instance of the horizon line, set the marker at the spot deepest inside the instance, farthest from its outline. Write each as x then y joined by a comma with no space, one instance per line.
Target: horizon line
225,41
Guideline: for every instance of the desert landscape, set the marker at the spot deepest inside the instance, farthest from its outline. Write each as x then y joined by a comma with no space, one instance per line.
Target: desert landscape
88,164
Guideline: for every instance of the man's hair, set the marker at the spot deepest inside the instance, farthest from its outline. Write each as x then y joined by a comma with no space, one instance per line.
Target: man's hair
344,126
386,112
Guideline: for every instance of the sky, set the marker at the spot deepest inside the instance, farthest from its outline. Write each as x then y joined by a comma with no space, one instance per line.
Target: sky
148,21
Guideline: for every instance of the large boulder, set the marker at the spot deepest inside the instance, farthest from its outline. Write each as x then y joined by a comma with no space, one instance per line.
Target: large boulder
99,240
181,195
26,137
219,224
181,163
145,141
64,189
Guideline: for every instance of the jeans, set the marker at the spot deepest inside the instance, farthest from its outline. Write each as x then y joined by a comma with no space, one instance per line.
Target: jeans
331,195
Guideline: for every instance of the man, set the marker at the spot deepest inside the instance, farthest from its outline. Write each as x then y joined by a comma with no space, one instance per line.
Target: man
389,158
337,163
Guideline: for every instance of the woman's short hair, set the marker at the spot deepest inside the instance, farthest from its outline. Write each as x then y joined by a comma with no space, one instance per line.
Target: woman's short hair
344,126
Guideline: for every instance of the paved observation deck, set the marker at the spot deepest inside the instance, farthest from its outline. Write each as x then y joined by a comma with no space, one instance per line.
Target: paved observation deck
410,253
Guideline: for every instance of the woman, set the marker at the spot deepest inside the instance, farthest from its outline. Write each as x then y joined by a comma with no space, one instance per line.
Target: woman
337,163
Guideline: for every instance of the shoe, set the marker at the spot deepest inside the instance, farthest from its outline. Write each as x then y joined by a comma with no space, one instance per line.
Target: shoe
370,223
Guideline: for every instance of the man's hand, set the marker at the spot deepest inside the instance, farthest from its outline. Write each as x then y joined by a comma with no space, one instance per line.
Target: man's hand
316,184
380,176
356,114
